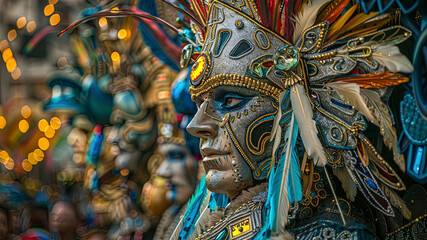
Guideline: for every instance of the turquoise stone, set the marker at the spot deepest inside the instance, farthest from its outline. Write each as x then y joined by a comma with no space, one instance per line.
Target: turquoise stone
286,58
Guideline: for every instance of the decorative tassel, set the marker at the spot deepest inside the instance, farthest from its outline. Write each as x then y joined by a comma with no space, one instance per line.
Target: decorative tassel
307,126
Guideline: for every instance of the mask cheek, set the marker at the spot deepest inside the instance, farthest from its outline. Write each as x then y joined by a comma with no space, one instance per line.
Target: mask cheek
251,127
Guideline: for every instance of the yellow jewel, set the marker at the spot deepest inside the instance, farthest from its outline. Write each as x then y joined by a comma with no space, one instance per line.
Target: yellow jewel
198,68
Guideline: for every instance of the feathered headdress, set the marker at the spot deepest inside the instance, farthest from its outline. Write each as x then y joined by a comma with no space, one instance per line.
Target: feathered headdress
334,63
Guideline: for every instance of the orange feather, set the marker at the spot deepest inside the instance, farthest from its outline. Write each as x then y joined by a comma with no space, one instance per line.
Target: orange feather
376,80
332,11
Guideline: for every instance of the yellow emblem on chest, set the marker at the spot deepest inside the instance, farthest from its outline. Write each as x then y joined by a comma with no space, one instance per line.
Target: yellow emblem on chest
241,227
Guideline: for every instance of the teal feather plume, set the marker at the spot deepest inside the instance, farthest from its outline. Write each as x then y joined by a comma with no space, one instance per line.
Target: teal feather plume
186,227
218,201
285,185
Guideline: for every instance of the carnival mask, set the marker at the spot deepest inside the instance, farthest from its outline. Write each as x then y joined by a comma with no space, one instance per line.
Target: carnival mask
237,102
179,169
234,124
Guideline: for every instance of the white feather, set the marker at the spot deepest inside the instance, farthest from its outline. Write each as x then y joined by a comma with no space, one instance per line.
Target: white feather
307,126
283,206
396,201
350,93
390,57
276,132
383,120
307,17
203,219
347,182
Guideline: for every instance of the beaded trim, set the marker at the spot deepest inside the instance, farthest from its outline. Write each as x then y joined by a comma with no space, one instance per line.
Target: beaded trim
235,80
407,225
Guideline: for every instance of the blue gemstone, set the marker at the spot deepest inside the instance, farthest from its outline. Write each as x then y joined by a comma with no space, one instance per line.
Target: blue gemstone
313,194
371,184
286,58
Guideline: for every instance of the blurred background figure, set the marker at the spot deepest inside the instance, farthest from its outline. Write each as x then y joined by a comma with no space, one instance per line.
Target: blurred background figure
64,221
95,234
179,168
4,222
36,222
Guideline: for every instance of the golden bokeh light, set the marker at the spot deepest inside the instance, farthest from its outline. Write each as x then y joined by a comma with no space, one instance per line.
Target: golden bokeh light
20,23
53,1
16,73
43,125
32,159
11,35
23,126
43,143
54,19
38,155
124,172
7,53
3,45
115,56
115,10
26,111
4,155
27,166
11,64
103,23
2,122
55,123
31,26
10,164
50,132
122,33
48,10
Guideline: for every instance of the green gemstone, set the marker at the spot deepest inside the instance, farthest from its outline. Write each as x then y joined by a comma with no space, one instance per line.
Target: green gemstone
286,58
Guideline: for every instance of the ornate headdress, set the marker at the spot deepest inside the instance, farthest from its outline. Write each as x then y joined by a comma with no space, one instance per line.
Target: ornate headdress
335,66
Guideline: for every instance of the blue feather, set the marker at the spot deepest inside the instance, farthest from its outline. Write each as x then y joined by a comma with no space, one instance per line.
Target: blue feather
293,183
218,201
267,211
193,209
150,7
294,180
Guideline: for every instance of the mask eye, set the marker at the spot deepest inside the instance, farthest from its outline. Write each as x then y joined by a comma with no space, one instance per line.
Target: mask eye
230,101
233,101
176,156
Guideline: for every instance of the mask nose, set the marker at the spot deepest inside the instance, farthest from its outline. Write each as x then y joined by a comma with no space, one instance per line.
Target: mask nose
164,170
203,126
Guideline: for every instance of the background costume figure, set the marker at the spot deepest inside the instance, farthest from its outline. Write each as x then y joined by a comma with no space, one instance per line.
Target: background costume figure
179,168
283,100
